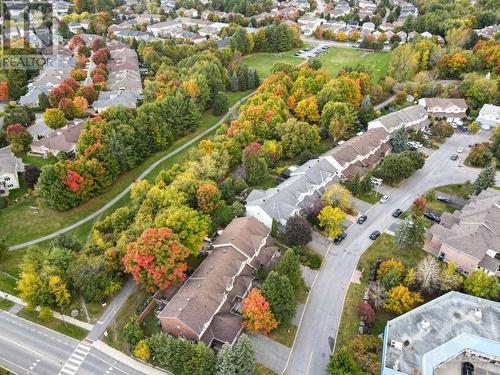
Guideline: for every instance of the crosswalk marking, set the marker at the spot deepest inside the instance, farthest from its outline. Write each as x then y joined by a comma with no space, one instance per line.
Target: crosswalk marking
75,360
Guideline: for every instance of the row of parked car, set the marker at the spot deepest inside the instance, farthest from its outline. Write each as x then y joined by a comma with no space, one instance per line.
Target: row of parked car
311,52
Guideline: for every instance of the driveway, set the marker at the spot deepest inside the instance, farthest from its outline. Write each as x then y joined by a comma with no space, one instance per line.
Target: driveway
269,353
318,330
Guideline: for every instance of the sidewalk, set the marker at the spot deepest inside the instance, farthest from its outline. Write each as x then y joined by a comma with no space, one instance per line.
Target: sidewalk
129,361
64,318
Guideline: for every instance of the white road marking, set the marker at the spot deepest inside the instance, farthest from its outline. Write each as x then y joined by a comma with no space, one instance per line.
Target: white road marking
38,354
75,360
16,365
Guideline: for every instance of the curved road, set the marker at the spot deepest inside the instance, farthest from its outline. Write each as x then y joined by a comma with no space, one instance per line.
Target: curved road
127,189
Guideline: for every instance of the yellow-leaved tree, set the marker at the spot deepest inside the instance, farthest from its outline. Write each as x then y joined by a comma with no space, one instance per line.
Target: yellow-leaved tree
400,300
330,218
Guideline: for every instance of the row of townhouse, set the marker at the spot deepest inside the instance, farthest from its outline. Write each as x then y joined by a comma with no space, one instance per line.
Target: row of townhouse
355,156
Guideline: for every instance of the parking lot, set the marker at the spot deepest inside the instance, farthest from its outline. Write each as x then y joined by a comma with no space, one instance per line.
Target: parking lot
311,52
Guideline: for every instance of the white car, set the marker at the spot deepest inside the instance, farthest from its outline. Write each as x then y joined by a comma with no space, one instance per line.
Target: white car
418,144
384,199
460,150
376,181
454,126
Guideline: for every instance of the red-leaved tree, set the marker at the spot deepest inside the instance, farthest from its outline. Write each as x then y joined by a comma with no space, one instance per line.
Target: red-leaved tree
257,313
208,197
88,92
157,259
75,41
4,91
60,92
74,181
101,56
97,44
419,206
366,312
71,82
18,137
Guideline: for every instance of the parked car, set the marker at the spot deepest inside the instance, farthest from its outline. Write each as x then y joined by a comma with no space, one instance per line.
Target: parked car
384,199
426,137
460,150
454,126
397,212
377,181
443,198
374,235
432,216
341,237
454,157
362,219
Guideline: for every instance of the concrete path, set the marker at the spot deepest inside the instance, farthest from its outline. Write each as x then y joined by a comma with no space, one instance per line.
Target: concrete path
361,206
64,318
269,353
127,189
319,243
319,327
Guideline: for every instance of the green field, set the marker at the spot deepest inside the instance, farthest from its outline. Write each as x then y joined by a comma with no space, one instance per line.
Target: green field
264,62
337,58
24,221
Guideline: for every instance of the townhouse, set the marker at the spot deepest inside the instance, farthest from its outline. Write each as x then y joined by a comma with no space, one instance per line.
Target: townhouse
59,140
489,116
449,108
470,238
10,166
207,306
415,116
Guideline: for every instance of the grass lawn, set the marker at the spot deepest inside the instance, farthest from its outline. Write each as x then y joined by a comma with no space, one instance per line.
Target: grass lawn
284,336
53,323
150,325
460,190
38,161
41,221
383,248
337,58
5,304
128,309
300,293
371,197
8,284
264,62
261,370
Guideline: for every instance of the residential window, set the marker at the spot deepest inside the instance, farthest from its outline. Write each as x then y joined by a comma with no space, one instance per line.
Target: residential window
7,178
10,185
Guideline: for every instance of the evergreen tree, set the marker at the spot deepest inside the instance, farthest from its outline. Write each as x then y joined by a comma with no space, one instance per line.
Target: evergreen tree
486,178
289,266
399,141
242,81
43,101
256,78
365,113
225,362
235,83
221,104
410,233
278,291
250,73
366,183
243,356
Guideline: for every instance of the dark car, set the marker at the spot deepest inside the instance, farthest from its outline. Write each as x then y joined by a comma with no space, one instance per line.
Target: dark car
454,157
374,235
362,219
397,212
443,198
340,238
432,216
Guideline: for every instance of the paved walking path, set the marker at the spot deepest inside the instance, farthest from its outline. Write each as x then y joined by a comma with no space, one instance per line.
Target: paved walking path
127,189
64,318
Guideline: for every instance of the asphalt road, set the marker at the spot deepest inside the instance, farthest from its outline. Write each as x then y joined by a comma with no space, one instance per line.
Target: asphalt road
319,326
27,348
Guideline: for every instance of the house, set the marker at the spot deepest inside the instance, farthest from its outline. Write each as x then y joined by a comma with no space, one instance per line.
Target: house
408,9
368,27
133,34
148,19
489,116
308,24
426,35
415,116
76,27
208,31
361,153
299,192
30,99
191,13
60,140
445,107
453,334
163,28
109,99
402,36
207,306
10,166
386,26
61,8
470,238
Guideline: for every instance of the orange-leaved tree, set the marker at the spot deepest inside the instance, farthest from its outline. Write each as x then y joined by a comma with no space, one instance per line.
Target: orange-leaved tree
257,313
157,259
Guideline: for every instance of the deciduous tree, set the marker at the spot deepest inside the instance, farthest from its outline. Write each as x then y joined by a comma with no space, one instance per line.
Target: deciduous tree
208,197
298,231
427,274
331,218
54,118
19,138
278,290
401,300
257,313
482,285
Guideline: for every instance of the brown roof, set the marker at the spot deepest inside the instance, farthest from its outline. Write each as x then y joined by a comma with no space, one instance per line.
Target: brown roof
220,279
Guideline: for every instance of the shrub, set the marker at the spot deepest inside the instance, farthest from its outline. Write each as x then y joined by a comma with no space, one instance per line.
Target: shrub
45,313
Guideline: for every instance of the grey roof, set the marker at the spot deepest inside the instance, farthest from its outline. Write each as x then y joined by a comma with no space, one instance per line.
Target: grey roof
440,330
31,97
475,229
63,139
407,115
290,196
108,99
9,164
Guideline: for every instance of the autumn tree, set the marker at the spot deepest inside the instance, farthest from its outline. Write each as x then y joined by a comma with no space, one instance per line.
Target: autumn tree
338,196
297,230
141,350
255,164
54,118
339,119
19,138
307,110
390,273
449,278
156,259
427,274
479,284
366,312
401,300
297,136
257,313
278,290
331,218
419,206
208,197
4,91
81,105
101,56
364,349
